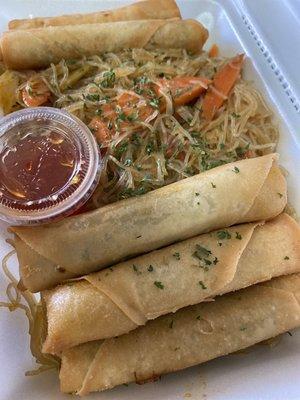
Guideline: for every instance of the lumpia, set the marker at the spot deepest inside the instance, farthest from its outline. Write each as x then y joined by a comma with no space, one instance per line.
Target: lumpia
113,302
148,9
243,191
36,48
191,336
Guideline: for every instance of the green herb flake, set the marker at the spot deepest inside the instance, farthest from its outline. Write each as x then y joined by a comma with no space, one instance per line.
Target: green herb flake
223,235
202,285
136,270
242,328
201,252
150,268
198,317
238,236
171,324
158,284
149,148
109,79
236,170
216,260
197,194
235,115
286,258
213,185
154,102
177,256
92,97
280,195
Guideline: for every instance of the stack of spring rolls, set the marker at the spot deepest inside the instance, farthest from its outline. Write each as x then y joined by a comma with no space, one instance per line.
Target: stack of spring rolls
216,270
195,270
37,42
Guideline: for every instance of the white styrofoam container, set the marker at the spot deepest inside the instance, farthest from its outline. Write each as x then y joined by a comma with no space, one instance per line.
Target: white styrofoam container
268,31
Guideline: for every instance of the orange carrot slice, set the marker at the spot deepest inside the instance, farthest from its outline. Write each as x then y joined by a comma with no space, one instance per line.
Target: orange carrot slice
213,51
223,82
100,131
35,94
134,107
185,89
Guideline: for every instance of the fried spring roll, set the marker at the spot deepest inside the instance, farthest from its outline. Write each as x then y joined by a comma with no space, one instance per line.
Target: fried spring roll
148,9
244,191
36,48
113,302
191,336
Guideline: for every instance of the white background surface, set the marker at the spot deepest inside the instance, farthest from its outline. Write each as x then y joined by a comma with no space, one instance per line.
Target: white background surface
261,374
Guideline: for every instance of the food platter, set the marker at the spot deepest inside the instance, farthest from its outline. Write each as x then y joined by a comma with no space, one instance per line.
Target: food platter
261,373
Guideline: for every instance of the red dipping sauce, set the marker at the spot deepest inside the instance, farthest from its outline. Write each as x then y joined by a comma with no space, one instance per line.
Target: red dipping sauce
49,165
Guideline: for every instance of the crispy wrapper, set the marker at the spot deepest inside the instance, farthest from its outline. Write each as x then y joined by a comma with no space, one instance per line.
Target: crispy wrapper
37,48
191,336
116,300
148,9
76,246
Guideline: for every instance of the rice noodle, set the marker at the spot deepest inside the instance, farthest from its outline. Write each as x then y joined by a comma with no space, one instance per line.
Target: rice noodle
34,312
168,145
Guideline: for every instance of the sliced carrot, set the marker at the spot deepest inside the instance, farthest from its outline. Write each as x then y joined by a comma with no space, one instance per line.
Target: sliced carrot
35,94
185,89
223,82
213,51
135,107
100,131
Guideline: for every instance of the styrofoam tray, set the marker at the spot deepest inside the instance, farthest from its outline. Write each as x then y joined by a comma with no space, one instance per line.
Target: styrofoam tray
264,373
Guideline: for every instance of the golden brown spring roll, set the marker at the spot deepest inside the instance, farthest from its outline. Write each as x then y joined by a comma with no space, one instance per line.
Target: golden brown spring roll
113,302
36,48
148,9
243,191
191,336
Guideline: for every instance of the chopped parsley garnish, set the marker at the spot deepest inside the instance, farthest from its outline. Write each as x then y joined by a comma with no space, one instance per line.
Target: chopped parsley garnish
216,260
128,162
198,203
236,170
286,258
122,116
238,236
149,148
171,324
109,79
213,185
177,256
235,115
154,102
202,285
92,97
121,149
197,194
201,251
243,328
223,235
198,317
159,285
150,268
280,195
222,146
136,270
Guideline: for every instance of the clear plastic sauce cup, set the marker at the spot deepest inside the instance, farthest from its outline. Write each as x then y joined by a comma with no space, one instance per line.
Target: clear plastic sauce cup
49,165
